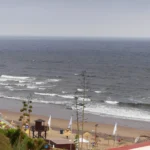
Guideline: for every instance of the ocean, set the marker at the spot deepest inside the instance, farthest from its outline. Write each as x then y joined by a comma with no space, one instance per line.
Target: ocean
50,70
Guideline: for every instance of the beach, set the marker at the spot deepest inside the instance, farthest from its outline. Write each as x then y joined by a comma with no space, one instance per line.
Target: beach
126,128
60,120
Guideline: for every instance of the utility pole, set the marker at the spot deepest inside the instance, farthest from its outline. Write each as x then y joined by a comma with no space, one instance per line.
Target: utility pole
84,76
96,134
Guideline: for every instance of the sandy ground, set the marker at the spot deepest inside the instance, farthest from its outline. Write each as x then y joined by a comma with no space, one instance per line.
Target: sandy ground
125,135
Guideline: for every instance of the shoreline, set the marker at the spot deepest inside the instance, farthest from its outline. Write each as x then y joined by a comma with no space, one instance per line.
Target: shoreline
103,129
59,114
58,111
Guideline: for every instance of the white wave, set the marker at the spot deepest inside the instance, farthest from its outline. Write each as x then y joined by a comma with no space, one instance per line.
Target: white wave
32,87
14,77
35,100
112,102
98,92
64,92
67,96
53,94
40,101
59,102
53,80
15,98
45,94
50,102
19,79
118,112
80,90
39,83
23,99
85,99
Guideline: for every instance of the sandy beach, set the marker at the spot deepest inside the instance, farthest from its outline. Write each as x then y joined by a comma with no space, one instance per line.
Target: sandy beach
127,130
126,134
89,126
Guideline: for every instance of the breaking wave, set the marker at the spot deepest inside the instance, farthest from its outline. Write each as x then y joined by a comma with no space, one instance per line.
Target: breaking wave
39,83
15,98
53,94
14,77
85,99
128,104
35,100
67,96
98,92
53,80
45,94
32,87
80,90
112,102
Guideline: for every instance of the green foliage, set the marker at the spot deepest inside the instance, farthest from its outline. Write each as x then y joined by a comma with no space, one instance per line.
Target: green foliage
26,111
30,144
18,140
39,143
2,131
4,142
30,106
13,135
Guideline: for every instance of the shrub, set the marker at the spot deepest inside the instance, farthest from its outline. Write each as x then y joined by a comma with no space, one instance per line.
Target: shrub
4,142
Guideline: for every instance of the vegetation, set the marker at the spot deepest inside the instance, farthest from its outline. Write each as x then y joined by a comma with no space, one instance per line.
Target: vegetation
15,139
26,112
4,142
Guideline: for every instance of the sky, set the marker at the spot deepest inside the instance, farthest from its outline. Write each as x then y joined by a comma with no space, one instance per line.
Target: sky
77,18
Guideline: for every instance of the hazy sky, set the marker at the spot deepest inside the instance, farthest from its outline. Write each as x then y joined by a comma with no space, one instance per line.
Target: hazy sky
112,18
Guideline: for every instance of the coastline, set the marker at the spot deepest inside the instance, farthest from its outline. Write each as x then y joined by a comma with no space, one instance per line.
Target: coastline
60,119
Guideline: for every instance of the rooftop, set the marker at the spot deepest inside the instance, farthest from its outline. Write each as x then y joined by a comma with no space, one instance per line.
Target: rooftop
60,141
138,146
39,120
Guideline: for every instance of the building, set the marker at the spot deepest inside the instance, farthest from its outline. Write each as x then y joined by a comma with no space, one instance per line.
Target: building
61,143
138,146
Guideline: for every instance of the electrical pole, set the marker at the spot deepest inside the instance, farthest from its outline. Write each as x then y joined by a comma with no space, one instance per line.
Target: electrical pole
96,134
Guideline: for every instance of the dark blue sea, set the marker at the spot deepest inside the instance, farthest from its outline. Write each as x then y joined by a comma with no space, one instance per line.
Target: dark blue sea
118,73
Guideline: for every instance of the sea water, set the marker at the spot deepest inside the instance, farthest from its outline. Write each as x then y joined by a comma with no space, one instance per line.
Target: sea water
50,70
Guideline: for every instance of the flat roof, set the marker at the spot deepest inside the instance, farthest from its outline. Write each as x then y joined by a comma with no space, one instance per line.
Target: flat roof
137,146
142,148
39,120
60,141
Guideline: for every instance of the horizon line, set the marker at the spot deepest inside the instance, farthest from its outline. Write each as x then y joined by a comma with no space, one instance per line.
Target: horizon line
92,37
